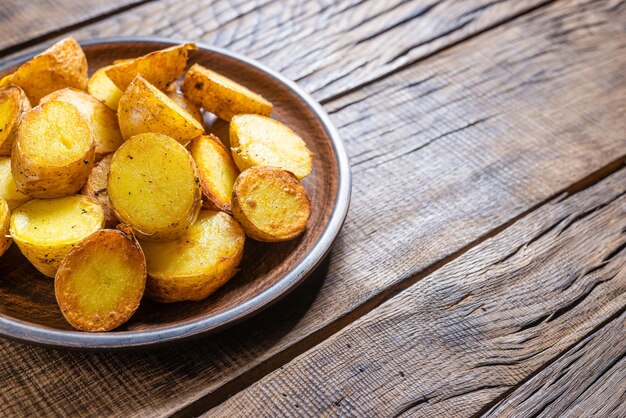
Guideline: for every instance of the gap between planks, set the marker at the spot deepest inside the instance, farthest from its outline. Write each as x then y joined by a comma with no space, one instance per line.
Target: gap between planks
258,372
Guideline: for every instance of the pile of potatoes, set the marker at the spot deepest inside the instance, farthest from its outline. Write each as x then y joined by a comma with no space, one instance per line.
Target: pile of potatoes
111,186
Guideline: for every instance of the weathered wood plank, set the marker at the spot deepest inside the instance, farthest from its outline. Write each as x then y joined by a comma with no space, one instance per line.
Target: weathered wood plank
588,380
536,136
25,21
477,327
326,46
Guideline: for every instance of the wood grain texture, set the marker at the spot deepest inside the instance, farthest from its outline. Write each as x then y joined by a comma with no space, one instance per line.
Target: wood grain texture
456,340
25,21
326,46
587,380
537,133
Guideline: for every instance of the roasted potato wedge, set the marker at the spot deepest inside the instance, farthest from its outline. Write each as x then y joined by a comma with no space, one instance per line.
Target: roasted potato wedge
259,141
101,281
270,204
8,188
217,171
154,186
103,122
197,263
186,104
13,105
160,68
96,188
5,221
144,108
62,65
222,96
220,128
46,229
54,151
102,88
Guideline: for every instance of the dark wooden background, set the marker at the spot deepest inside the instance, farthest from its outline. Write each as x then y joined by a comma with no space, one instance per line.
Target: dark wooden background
481,270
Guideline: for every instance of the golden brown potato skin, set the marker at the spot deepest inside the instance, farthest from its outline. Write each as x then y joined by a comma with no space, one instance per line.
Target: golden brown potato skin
143,108
267,192
220,95
186,104
19,106
160,68
62,65
49,180
123,302
197,263
5,222
96,188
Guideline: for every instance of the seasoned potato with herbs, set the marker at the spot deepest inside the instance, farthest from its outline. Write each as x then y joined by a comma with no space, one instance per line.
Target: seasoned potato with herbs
217,171
101,281
54,151
13,105
46,229
259,141
5,221
102,88
154,187
8,188
186,104
197,263
222,96
96,188
144,108
270,204
103,122
160,68
62,65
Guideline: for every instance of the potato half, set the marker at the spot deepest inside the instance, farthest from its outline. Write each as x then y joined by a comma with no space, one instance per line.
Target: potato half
154,186
197,263
62,65
222,96
102,88
5,222
217,171
144,108
8,188
259,141
270,204
191,108
13,105
101,281
96,188
54,151
103,122
160,68
46,229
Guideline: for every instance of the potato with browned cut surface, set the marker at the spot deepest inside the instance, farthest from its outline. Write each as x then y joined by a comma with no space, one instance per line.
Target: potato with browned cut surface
54,151
103,122
101,281
46,229
198,262
270,204
62,65
259,141
217,171
8,188
13,106
96,188
154,186
222,96
102,88
160,68
144,108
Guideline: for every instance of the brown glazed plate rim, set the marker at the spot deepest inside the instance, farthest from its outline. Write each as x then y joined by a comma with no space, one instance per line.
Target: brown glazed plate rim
40,335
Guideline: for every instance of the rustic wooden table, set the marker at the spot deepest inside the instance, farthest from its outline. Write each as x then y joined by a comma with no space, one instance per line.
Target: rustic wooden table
481,270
